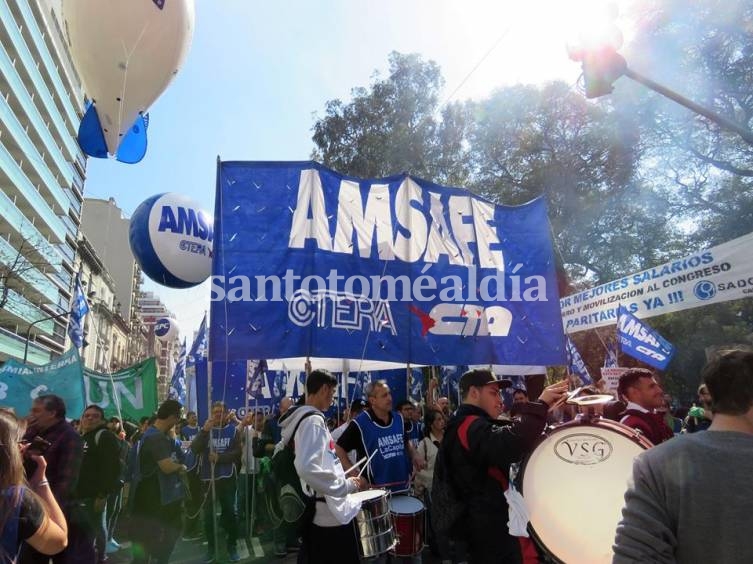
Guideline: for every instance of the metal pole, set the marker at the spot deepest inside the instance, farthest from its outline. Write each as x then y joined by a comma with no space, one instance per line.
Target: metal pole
32,324
720,120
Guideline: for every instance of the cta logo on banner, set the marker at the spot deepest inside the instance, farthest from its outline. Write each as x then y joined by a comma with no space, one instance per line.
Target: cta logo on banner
640,341
719,274
316,264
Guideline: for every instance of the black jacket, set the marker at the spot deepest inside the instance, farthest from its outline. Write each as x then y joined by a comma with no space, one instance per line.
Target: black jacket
101,467
492,447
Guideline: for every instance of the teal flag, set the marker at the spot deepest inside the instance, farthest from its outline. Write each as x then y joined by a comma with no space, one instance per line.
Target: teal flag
21,383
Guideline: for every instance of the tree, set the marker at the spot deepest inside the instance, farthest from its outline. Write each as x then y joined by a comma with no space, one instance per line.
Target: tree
703,49
529,141
395,126
16,264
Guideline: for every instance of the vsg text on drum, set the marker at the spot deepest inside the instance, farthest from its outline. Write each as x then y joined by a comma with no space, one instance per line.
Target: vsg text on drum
583,448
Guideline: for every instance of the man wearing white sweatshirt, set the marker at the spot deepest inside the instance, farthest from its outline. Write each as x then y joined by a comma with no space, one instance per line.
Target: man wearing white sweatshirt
330,538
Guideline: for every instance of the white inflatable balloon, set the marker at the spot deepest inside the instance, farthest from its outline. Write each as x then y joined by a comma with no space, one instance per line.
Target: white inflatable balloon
165,329
171,239
126,52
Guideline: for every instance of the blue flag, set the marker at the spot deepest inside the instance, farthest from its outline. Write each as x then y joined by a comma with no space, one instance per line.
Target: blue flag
255,371
359,389
199,346
576,364
641,342
178,382
79,309
416,385
279,385
611,359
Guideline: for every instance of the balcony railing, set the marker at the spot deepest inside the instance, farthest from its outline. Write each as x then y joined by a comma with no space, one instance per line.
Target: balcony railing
19,44
11,76
25,229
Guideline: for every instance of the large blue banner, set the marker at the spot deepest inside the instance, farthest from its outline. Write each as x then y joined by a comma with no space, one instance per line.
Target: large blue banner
311,263
640,341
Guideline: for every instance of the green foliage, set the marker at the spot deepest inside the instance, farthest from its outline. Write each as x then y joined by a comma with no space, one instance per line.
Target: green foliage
631,180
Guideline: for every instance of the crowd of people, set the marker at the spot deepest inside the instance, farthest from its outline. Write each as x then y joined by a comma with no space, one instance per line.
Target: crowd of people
65,483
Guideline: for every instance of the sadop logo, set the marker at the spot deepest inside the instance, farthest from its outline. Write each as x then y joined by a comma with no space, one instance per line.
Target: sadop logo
704,290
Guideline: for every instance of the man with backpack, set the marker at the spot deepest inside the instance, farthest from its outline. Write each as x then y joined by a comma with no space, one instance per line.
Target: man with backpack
328,535
99,475
472,469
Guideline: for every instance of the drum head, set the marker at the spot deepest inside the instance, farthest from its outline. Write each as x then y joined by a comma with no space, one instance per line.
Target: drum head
574,484
367,495
405,505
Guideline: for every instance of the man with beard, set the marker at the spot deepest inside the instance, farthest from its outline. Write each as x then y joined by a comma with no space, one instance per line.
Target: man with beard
644,397
689,498
46,419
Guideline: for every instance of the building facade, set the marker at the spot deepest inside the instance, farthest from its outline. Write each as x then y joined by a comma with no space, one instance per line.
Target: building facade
106,331
42,172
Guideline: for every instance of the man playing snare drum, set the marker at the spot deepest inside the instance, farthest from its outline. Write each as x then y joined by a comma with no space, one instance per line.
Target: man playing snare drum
474,461
330,538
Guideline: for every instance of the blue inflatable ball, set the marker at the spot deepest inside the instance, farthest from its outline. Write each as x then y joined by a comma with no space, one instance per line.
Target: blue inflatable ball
165,329
171,240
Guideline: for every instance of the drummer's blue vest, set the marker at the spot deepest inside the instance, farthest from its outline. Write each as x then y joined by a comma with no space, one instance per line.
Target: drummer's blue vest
187,433
221,440
390,465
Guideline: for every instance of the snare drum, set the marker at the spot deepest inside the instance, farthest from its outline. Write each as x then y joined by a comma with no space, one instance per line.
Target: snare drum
373,523
409,517
574,484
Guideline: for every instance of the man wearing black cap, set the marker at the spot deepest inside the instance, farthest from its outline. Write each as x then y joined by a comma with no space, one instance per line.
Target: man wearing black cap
475,457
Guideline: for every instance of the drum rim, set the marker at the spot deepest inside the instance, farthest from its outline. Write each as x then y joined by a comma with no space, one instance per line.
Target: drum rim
614,426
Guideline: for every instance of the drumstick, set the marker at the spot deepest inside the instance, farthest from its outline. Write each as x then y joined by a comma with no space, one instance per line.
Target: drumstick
356,465
567,397
367,462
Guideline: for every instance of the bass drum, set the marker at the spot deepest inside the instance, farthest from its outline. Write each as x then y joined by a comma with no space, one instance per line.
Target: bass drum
574,484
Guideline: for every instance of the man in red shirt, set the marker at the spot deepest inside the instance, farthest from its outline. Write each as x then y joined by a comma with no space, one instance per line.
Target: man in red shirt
644,396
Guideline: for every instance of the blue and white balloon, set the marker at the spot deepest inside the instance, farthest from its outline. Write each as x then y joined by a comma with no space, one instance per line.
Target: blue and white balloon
165,329
171,239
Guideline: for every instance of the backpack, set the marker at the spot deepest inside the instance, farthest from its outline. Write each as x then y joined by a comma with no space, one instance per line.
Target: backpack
286,500
447,506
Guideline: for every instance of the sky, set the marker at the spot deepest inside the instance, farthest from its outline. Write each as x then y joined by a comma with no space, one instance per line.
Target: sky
258,73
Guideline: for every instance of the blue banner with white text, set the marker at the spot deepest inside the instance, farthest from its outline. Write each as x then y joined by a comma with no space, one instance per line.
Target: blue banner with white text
311,263
640,341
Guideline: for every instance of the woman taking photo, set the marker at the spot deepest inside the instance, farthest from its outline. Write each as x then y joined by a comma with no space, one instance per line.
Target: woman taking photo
27,513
